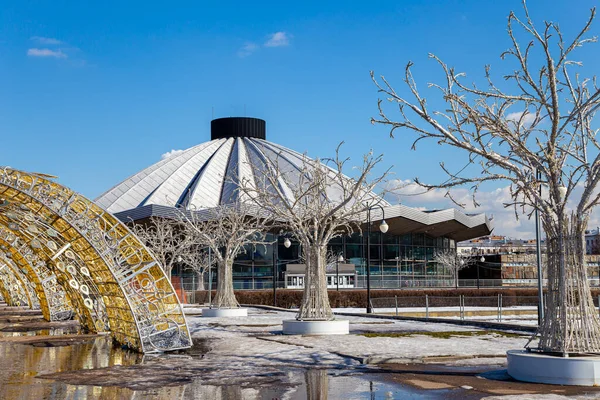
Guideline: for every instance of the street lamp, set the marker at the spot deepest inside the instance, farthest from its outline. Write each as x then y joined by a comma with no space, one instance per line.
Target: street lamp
461,263
287,245
482,259
383,227
337,272
210,276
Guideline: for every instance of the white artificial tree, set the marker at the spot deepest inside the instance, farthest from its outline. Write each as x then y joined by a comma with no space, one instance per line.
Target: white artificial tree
452,262
541,118
163,237
227,230
315,203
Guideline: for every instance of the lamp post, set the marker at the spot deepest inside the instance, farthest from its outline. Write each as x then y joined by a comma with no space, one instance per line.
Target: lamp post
459,263
337,272
383,227
275,243
398,276
209,277
482,259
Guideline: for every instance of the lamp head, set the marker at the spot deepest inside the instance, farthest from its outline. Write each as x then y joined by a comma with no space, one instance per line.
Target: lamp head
562,191
287,243
383,227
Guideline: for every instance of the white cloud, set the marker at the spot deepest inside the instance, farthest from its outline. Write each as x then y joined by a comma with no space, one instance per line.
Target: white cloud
46,40
46,53
247,49
278,39
515,117
171,153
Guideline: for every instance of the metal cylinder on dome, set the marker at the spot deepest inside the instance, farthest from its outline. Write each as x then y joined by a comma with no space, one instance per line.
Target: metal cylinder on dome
238,127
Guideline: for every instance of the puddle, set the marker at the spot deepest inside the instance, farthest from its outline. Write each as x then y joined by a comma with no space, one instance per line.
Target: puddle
21,365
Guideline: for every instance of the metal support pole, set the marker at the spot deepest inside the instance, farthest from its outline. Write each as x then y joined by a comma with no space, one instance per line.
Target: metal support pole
275,272
209,277
500,307
477,275
337,274
369,309
538,248
193,296
426,306
396,299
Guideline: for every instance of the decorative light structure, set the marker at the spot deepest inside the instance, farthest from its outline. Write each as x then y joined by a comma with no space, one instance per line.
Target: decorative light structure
107,276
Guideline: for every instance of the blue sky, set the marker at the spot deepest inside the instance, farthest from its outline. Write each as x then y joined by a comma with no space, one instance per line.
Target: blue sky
94,93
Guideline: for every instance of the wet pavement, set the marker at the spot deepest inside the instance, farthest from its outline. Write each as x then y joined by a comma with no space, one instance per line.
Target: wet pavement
22,365
43,364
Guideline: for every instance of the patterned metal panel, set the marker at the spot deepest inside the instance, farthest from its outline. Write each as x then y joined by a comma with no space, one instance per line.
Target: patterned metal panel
112,280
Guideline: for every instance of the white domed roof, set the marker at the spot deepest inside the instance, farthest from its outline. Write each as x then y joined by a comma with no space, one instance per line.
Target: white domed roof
204,176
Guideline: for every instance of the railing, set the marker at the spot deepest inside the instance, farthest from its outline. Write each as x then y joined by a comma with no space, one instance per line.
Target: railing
519,309
361,283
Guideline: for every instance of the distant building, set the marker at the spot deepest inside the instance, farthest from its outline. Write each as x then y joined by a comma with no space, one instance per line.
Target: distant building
592,241
513,262
209,174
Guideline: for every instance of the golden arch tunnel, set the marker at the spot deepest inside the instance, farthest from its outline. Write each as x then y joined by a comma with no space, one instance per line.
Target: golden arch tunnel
63,254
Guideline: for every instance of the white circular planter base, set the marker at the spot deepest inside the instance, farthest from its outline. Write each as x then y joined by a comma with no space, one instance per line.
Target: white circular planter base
224,312
555,370
335,327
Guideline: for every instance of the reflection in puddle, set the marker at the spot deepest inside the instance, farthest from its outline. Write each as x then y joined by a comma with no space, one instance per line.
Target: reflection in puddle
21,364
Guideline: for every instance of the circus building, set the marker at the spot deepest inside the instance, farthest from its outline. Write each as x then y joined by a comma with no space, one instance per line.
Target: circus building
206,176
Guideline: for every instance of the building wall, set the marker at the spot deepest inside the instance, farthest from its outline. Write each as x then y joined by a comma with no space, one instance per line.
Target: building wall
395,261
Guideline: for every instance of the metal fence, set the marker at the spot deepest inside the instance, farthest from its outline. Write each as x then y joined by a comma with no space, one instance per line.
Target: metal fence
520,309
499,307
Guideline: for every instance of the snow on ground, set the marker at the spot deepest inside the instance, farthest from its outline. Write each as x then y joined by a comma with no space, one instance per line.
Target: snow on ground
257,340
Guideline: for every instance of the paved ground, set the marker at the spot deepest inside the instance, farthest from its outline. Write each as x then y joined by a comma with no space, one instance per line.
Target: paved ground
250,358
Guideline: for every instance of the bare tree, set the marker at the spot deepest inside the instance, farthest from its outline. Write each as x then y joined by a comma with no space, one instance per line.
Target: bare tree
315,202
163,237
198,259
539,120
453,262
227,231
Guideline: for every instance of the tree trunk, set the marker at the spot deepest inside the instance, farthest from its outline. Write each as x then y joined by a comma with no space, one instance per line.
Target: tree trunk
225,298
168,272
315,302
317,384
571,323
199,280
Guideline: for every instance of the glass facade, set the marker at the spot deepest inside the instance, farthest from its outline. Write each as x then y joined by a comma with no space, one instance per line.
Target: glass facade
395,261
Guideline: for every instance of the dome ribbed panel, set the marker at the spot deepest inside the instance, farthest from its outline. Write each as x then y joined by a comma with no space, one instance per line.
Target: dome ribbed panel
209,175
230,193
261,164
177,182
133,191
207,192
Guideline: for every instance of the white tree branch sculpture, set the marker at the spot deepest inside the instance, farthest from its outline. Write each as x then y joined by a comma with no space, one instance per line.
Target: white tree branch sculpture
554,134
163,237
226,230
453,262
315,202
